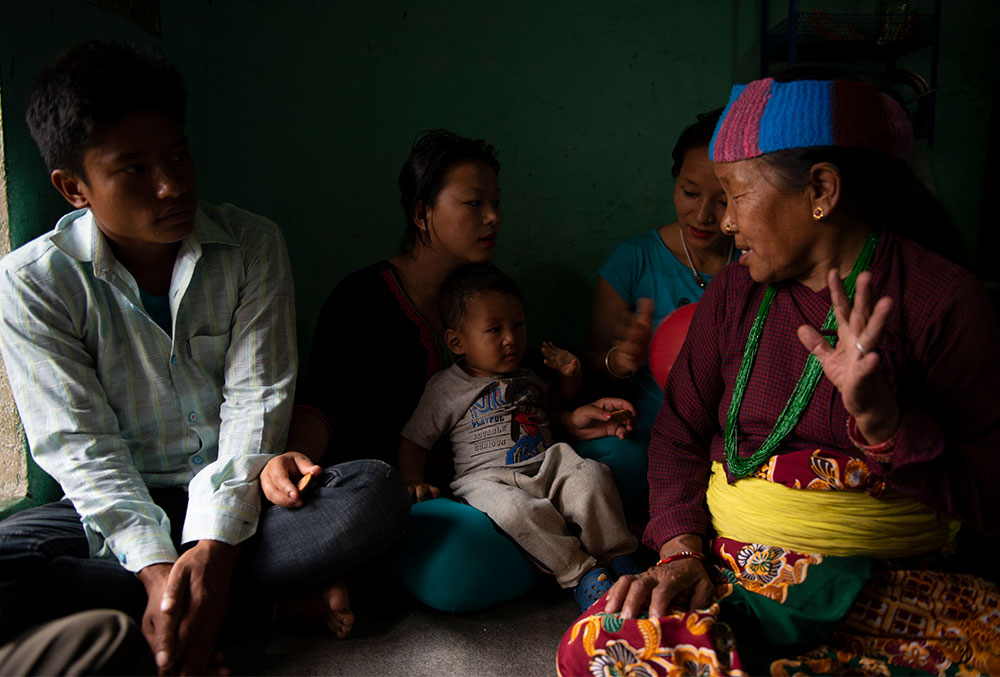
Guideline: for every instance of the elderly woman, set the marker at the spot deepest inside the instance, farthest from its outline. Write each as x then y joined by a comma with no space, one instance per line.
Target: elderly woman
830,422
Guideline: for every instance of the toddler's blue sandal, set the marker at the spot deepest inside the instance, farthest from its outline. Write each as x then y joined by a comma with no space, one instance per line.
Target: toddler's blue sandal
624,565
592,587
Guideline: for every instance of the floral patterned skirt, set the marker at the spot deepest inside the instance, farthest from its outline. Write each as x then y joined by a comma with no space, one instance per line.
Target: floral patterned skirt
801,614
784,612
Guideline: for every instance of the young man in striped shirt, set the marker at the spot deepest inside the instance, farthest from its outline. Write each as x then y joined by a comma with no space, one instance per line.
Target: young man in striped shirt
150,343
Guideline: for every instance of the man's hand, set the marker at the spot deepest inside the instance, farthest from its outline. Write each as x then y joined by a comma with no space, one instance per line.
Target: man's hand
154,578
186,605
280,477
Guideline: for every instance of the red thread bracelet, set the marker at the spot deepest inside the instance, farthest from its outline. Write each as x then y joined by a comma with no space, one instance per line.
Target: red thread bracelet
880,453
685,554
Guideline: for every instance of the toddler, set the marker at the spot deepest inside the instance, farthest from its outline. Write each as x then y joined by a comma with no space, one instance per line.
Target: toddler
505,462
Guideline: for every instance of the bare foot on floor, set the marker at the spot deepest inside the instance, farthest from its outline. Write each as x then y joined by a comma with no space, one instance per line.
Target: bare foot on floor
330,607
337,610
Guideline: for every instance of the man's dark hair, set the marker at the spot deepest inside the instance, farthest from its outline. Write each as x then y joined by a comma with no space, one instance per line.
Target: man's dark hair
424,173
463,284
92,86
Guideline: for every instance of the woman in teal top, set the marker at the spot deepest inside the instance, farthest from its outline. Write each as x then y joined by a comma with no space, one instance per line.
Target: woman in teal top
646,278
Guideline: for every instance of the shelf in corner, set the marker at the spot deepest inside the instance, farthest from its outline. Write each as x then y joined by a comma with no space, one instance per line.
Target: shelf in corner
851,37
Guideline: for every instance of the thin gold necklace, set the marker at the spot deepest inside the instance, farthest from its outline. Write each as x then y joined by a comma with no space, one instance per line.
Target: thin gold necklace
699,280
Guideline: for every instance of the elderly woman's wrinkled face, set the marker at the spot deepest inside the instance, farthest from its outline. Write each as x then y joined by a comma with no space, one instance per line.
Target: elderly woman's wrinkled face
773,230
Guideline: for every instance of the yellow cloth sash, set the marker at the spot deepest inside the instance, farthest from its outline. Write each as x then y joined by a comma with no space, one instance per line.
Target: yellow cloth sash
838,523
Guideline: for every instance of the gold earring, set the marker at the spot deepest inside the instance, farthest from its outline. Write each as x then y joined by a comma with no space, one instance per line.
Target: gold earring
818,213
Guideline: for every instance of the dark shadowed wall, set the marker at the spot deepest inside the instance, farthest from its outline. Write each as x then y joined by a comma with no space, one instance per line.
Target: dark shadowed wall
304,111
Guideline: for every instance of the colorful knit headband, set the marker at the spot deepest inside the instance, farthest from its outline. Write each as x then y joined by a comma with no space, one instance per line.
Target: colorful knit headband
765,116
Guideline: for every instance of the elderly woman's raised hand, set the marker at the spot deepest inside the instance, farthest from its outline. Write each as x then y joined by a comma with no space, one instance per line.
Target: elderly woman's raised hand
852,366
679,583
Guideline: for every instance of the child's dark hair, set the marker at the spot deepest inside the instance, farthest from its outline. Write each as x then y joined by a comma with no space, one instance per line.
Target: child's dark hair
423,174
459,288
696,135
92,86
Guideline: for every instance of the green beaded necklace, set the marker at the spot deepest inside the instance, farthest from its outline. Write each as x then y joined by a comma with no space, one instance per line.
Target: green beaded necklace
790,415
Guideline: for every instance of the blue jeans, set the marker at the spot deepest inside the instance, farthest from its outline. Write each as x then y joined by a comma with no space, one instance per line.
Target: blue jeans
353,513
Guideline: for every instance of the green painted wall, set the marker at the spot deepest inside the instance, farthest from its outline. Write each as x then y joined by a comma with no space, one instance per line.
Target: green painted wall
969,79
314,111
304,111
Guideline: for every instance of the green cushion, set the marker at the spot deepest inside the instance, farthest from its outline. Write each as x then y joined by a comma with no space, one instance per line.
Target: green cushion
453,558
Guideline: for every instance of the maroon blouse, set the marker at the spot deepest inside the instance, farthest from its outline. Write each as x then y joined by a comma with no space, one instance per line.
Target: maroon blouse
940,353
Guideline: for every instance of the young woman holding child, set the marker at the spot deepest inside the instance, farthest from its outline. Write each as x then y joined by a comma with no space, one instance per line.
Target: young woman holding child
378,340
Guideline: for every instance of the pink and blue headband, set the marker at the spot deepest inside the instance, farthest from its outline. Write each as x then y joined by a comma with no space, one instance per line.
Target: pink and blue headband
765,116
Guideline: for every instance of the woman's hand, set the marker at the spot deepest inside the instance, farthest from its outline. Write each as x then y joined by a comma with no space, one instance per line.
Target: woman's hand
279,478
852,366
561,360
634,333
665,585
421,491
607,417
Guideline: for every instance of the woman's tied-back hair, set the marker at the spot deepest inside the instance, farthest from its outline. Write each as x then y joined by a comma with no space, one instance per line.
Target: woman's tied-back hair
92,86
695,135
462,285
425,171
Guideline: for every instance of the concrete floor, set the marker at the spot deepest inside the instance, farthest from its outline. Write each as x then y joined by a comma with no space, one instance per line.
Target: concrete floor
404,637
